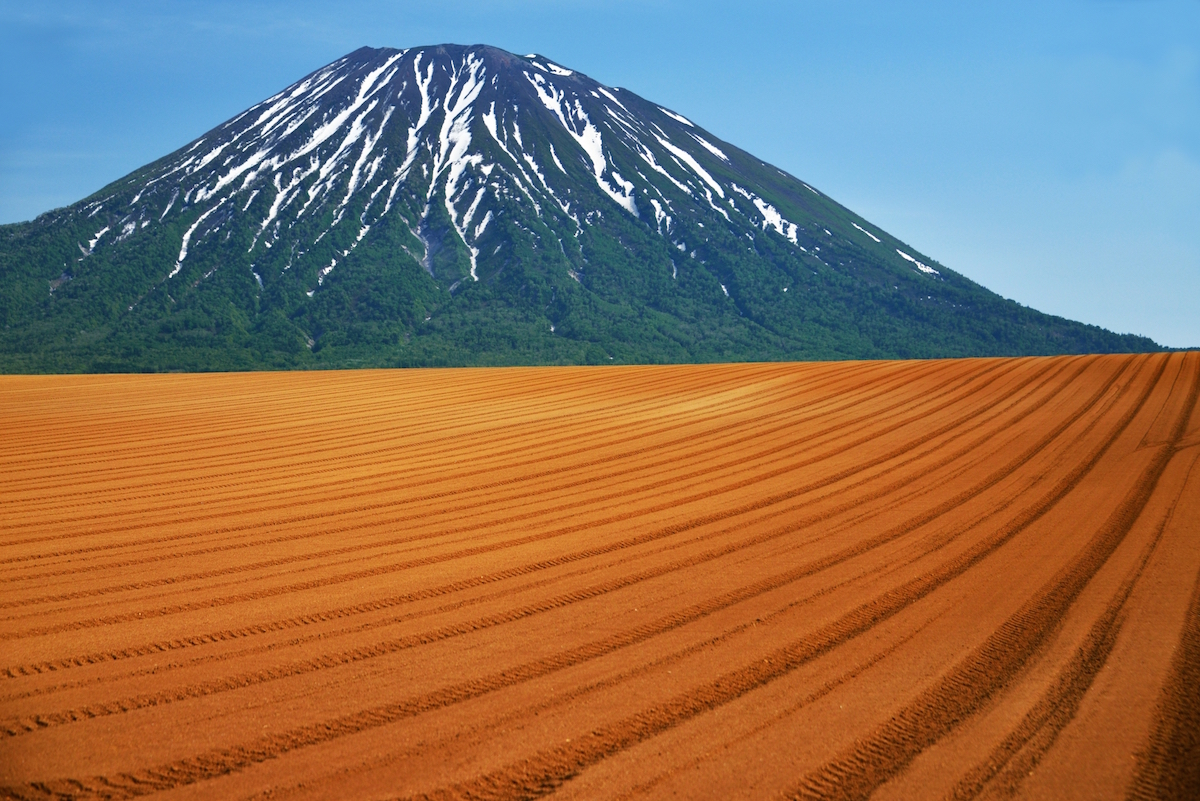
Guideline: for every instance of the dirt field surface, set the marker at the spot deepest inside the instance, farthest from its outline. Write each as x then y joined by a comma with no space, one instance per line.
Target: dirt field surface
944,579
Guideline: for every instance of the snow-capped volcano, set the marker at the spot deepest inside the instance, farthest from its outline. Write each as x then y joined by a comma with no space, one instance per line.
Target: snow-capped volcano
470,194
470,131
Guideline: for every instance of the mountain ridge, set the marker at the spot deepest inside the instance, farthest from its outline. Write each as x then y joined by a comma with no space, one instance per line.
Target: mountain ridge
465,205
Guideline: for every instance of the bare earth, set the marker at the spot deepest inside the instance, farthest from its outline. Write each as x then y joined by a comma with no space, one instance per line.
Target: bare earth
944,579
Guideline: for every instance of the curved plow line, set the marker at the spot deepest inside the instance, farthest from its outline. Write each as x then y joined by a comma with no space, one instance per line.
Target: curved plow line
39,721
1168,766
703,476
1022,749
797,525
483,504
636,436
891,748
432,447
825,689
566,761
544,772
383,570
189,430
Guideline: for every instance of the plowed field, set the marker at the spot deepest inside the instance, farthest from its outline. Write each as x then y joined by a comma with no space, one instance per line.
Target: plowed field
945,579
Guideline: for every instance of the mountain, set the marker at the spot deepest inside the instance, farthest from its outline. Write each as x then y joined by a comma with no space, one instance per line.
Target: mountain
464,205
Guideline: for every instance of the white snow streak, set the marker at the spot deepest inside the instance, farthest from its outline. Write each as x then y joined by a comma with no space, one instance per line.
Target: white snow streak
96,238
708,196
677,117
612,97
660,215
324,271
710,147
865,231
588,138
771,216
557,163
183,251
91,245
922,267
483,224
687,159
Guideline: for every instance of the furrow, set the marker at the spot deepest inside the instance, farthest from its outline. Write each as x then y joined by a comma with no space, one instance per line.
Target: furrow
551,767
528,539
886,752
796,525
758,434
428,497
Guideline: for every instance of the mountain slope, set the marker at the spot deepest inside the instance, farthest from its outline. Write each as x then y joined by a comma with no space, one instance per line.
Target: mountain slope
463,205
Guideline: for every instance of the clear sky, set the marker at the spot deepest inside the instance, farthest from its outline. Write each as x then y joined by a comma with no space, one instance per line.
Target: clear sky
1048,150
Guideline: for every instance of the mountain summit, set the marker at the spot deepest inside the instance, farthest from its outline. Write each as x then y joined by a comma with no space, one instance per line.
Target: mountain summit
464,205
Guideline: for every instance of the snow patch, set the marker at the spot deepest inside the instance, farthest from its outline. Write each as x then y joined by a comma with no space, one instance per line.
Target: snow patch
711,148
483,224
660,215
771,216
557,163
324,271
170,203
212,154
865,231
588,138
95,239
922,267
187,236
677,117
612,97
687,158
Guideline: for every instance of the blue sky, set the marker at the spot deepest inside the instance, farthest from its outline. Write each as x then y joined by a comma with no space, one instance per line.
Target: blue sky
1050,151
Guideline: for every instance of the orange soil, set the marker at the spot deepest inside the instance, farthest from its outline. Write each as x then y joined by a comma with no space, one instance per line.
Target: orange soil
966,579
